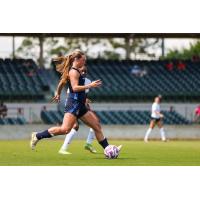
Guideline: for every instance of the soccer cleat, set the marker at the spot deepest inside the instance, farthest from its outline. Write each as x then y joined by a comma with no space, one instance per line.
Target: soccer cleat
146,140
119,147
64,152
34,140
90,148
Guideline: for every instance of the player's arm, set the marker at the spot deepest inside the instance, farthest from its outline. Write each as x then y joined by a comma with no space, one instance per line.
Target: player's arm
160,114
58,91
74,79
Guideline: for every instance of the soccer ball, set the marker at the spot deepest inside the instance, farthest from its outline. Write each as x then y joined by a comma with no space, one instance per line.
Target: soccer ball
111,152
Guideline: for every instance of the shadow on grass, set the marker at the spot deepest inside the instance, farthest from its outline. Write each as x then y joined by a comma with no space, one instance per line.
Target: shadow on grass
124,158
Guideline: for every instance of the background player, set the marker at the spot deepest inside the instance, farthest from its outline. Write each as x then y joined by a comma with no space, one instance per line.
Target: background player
156,119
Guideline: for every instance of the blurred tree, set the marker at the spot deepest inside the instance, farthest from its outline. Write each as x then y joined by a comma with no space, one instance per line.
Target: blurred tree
112,48
28,48
185,53
133,47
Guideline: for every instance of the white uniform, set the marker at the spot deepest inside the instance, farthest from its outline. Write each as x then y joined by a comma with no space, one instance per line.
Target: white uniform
87,81
155,108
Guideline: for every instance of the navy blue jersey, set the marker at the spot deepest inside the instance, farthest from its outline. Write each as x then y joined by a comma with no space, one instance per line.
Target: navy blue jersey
79,96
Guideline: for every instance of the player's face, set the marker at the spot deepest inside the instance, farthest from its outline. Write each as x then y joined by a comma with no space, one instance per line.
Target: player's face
157,100
81,61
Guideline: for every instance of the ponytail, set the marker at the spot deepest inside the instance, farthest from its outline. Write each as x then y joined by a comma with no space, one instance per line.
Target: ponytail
65,63
63,66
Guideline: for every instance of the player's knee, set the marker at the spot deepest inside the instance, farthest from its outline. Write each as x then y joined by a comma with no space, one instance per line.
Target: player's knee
76,127
65,130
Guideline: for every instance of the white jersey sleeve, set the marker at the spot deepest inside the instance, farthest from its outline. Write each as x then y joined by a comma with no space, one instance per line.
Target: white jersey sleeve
87,81
155,108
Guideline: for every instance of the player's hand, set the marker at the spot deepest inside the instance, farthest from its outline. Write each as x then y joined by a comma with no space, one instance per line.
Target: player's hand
161,115
56,98
96,83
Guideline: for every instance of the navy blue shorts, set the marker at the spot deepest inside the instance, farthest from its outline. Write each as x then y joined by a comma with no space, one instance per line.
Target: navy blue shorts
75,107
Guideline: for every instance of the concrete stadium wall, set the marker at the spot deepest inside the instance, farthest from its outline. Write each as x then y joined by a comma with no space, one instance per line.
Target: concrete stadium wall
114,132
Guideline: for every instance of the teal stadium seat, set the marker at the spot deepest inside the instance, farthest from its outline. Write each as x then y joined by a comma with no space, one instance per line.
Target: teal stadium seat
119,117
17,82
12,121
120,85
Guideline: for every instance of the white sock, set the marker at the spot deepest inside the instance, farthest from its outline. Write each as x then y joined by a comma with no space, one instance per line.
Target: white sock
162,133
147,134
68,139
90,137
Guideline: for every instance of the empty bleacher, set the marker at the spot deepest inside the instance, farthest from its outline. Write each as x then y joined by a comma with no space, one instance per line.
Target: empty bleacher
52,117
132,117
12,121
120,85
21,79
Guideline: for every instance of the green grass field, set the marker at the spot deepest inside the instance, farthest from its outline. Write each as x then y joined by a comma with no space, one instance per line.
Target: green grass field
134,153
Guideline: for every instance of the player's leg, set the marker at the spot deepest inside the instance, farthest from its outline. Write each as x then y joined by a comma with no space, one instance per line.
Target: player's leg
68,122
162,132
90,138
91,120
68,139
151,126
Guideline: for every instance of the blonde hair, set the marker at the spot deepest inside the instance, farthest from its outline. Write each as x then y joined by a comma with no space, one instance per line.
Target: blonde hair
65,63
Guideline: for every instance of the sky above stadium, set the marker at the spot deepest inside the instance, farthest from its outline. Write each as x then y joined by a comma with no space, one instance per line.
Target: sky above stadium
6,45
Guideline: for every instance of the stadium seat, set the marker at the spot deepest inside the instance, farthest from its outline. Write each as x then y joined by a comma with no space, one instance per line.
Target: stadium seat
120,85
122,117
21,81
12,121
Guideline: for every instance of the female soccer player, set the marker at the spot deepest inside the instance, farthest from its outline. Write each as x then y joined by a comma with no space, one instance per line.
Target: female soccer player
156,118
75,107
70,135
